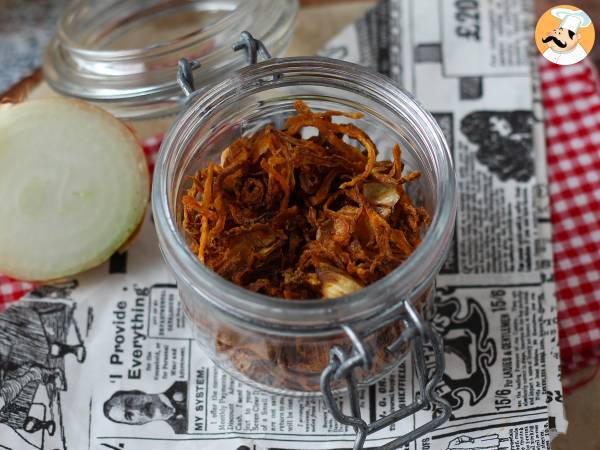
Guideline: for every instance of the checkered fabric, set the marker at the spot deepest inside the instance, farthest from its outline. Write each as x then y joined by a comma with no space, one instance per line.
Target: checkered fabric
151,147
12,290
572,105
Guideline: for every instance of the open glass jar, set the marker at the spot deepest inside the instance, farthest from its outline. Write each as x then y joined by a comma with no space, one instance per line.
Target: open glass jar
286,346
122,55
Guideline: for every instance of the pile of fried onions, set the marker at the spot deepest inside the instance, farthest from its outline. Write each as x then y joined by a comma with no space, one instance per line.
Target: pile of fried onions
303,218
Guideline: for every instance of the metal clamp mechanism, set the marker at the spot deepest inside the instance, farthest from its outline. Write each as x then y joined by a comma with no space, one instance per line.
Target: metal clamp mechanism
253,47
185,77
342,366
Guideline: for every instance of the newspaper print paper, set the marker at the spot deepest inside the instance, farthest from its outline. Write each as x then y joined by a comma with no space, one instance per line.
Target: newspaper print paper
119,330
481,84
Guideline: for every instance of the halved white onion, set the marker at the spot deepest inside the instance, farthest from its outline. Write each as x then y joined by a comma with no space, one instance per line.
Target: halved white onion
73,187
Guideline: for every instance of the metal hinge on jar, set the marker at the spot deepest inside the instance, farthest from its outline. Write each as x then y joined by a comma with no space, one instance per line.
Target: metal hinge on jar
252,46
343,366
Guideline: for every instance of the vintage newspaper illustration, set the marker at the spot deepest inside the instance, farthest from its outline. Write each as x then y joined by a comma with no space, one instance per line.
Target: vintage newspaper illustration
108,361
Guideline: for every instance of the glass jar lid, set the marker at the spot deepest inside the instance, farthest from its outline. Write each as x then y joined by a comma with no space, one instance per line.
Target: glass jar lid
123,55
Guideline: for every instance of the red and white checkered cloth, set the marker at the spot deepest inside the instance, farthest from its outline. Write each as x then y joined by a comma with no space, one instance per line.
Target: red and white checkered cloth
572,103
572,106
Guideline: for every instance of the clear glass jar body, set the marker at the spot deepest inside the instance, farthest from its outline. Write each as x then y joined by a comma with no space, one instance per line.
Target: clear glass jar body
122,55
277,344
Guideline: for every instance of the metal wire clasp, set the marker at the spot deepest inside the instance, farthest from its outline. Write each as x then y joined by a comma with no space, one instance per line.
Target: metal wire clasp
342,366
253,47
185,77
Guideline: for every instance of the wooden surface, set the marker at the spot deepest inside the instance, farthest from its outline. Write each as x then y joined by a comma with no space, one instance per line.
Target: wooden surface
583,413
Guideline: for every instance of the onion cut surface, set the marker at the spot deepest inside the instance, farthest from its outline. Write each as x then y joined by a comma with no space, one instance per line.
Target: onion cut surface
74,186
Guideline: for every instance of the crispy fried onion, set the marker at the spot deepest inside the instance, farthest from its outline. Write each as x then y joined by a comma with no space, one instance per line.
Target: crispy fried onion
303,218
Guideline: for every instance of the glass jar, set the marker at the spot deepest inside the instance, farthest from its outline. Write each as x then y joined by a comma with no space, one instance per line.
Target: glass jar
281,345
122,55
